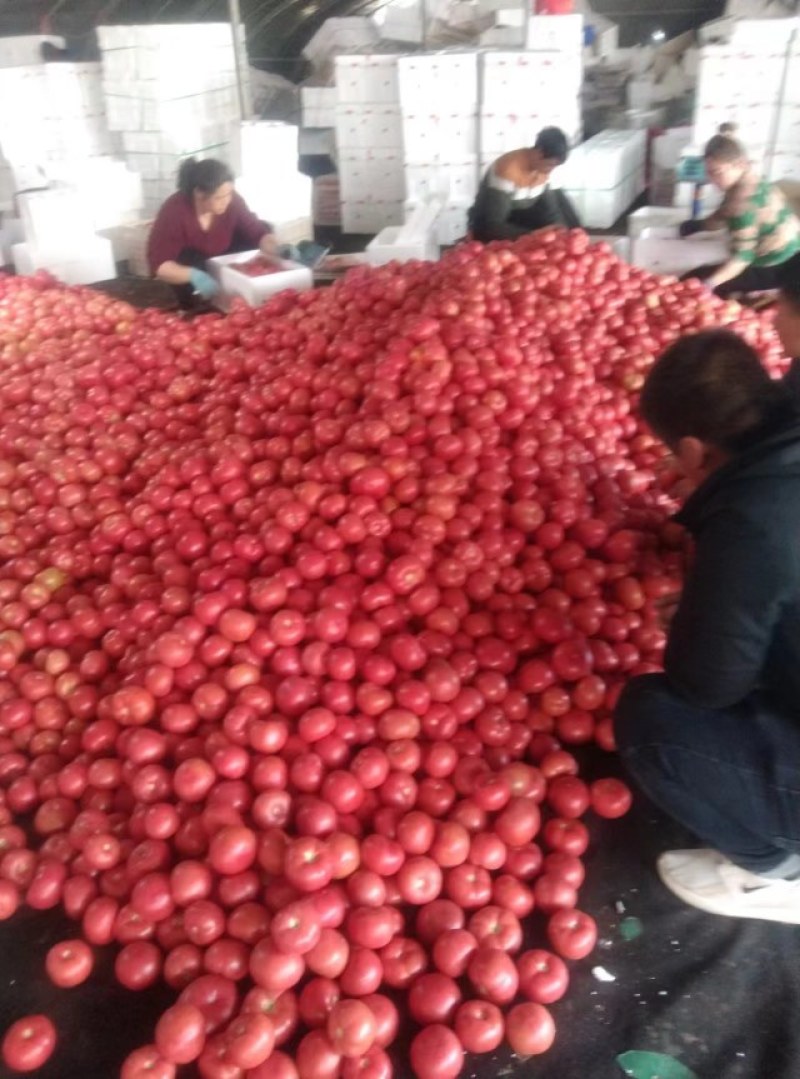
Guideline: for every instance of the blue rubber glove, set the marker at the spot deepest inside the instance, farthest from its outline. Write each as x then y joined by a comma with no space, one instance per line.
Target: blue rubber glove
203,283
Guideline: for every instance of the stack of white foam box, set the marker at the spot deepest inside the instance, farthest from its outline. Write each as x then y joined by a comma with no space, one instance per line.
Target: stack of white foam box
77,122
742,84
439,102
60,237
785,159
369,142
656,246
270,182
318,106
524,92
164,108
603,176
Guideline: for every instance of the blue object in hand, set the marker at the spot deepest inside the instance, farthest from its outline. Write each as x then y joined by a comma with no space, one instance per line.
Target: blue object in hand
203,283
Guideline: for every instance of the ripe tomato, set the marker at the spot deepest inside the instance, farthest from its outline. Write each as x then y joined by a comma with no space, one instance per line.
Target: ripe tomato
572,933
530,1029
543,977
436,1053
181,1033
479,1026
69,963
610,798
29,1043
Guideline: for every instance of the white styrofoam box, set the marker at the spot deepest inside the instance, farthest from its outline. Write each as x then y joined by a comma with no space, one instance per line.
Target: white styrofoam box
403,23
295,232
764,35
451,222
267,147
604,160
318,106
654,217
785,165
92,260
448,79
337,35
23,49
684,198
429,137
283,197
514,16
447,180
504,131
754,123
369,173
368,127
256,290
370,215
674,257
317,142
56,221
667,148
501,37
599,209
729,76
367,80
385,247
529,79
562,33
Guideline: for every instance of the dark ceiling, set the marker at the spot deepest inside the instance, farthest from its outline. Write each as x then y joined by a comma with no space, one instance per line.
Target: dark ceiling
278,29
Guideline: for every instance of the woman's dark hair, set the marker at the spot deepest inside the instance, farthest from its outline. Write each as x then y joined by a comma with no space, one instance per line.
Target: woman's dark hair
551,142
724,147
713,386
205,176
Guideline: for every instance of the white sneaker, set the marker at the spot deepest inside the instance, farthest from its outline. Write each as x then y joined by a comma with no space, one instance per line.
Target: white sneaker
707,880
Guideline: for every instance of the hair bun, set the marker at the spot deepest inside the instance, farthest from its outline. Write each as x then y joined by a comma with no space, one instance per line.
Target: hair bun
728,129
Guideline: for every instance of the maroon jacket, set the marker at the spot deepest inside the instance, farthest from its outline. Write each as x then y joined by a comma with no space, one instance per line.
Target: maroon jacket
176,229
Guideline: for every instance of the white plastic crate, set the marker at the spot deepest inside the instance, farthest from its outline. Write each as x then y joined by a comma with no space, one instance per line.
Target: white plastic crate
256,290
563,33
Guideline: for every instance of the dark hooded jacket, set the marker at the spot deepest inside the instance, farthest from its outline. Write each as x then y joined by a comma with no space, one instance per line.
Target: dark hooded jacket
737,628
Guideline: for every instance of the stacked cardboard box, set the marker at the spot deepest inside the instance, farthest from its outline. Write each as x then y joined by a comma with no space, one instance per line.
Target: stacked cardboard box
369,142
165,109
439,101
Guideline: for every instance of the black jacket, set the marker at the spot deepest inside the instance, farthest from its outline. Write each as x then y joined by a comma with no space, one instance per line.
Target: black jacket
737,627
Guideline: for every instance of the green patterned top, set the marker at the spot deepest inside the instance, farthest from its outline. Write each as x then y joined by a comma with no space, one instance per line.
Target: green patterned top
764,230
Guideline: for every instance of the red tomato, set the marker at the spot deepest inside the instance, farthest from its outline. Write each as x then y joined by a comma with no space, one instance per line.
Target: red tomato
69,963
29,1043
181,1033
493,975
479,1026
543,977
530,1029
572,933
433,998
610,798
351,1028
436,1053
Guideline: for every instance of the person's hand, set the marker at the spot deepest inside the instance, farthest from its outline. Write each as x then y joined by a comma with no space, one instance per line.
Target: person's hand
690,228
203,283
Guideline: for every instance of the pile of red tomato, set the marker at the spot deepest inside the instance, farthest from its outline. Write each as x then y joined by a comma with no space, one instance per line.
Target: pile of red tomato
303,612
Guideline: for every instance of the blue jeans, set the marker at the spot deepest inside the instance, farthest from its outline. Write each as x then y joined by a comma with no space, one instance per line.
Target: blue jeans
731,777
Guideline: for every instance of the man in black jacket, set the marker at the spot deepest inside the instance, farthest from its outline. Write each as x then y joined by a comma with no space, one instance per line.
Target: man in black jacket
515,196
715,739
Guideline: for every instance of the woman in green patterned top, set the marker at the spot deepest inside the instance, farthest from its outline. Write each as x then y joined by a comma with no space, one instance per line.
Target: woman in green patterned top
764,232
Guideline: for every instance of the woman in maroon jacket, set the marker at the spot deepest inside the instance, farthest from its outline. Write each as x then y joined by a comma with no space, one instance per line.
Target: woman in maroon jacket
204,218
